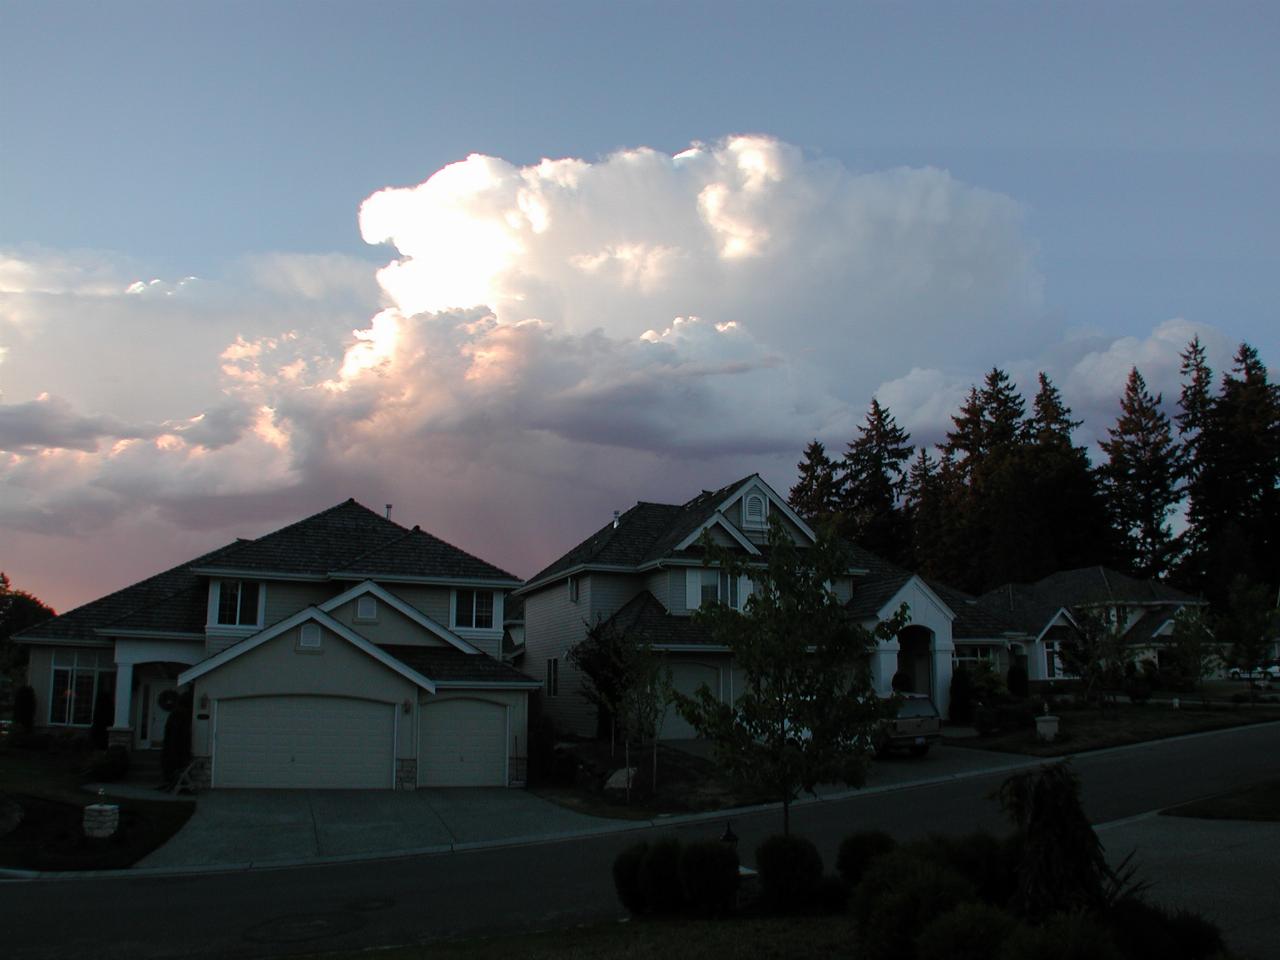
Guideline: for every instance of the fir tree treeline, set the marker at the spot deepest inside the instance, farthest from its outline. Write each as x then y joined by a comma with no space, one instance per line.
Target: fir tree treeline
1009,497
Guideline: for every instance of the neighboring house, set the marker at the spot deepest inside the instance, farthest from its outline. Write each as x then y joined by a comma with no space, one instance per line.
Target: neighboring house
1144,610
646,571
341,651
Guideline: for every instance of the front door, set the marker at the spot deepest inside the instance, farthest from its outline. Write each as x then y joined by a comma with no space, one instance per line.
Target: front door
155,696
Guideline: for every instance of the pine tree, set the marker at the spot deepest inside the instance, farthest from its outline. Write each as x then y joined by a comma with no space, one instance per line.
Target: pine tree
874,476
1140,479
816,495
1051,418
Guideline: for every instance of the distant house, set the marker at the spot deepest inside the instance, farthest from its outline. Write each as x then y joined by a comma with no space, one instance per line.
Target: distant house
341,651
646,572
1144,610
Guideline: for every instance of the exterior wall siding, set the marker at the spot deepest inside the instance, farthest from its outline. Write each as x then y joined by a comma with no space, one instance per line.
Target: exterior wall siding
433,601
610,592
516,700
285,598
552,625
390,626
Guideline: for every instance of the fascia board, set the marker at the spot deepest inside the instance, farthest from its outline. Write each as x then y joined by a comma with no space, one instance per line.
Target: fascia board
756,480
692,647
243,573
408,610
496,582
533,585
61,642
916,580
144,634
718,519
489,684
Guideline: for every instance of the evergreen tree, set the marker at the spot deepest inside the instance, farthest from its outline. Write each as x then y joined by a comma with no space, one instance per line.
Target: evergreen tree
874,478
1051,421
816,495
1140,479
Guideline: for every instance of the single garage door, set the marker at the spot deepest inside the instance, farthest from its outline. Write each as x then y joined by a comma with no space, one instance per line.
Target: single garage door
298,742
463,743
686,678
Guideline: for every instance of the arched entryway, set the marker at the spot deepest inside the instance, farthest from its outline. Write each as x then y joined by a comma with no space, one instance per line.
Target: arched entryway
915,661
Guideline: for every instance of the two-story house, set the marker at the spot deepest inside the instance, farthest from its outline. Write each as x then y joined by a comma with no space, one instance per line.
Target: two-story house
341,651
646,572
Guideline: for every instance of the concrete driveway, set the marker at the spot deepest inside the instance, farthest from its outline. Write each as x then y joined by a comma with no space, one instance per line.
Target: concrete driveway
258,827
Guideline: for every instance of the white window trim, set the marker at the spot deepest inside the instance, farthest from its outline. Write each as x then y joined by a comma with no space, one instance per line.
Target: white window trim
496,623
215,595
95,667
372,616
306,630
693,587
755,523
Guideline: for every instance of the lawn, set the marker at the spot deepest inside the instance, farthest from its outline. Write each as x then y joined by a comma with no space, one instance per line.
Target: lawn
50,836
1261,802
1082,729
781,938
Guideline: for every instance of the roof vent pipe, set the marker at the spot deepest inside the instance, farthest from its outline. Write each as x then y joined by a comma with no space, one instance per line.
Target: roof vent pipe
616,515
388,511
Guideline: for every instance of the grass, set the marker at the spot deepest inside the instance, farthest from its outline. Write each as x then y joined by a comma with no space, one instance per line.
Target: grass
1084,729
779,938
46,785
1259,802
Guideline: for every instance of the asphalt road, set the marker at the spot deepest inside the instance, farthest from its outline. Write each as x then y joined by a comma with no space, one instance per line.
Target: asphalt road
373,903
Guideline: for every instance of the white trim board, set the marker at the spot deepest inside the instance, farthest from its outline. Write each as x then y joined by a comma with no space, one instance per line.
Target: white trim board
407,609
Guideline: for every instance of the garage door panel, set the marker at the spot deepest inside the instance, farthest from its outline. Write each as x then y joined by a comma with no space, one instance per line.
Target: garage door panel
463,743
300,742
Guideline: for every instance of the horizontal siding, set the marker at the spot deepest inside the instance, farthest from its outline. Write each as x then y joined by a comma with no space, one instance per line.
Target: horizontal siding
390,626
433,601
285,598
610,592
552,625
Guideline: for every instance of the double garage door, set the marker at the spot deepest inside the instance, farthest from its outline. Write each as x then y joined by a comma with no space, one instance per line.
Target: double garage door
298,742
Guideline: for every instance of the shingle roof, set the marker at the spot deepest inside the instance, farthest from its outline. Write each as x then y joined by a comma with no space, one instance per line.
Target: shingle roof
79,624
451,665
1021,605
648,531
644,617
872,592
1144,629
419,554
1104,585
973,620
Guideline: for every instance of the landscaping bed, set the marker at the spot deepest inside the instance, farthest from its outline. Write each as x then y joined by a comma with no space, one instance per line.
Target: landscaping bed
45,783
1258,802
1084,728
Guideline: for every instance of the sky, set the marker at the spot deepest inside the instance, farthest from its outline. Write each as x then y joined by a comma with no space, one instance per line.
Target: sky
512,266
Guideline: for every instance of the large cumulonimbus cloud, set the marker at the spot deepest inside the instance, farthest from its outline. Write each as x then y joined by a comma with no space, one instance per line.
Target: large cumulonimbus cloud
549,342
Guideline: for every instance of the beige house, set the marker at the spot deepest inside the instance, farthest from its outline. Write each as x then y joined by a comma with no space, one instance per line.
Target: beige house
343,651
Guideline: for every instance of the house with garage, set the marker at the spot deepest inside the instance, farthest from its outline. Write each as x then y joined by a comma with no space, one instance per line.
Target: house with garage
342,651
1143,611
646,572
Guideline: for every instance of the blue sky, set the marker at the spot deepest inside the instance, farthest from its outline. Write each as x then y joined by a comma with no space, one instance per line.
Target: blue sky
1124,155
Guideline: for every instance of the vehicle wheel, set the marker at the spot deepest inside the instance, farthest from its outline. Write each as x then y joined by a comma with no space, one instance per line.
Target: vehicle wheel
920,751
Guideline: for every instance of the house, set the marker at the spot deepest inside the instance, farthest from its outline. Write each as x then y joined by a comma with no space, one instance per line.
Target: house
1144,610
341,651
645,571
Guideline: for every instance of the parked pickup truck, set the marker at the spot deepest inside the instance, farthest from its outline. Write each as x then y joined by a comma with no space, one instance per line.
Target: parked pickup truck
917,727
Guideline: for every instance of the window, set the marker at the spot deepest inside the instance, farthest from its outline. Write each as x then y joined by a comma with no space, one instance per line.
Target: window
573,589
719,587
81,679
473,608
1051,667
310,636
238,603
972,653
754,510
553,677
367,608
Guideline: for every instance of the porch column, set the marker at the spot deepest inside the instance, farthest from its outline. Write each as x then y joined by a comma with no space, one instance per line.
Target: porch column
884,664
124,695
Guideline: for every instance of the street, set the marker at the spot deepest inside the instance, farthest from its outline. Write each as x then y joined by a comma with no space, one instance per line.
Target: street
493,891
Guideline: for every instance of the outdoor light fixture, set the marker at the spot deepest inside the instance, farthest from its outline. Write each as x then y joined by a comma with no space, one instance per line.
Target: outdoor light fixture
408,706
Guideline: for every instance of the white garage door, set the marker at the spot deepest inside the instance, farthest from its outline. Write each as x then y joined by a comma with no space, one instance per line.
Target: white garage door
463,743
296,742
686,678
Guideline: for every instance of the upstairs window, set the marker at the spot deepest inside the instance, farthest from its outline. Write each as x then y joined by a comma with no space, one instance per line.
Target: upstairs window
473,608
238,603
719,587
573,589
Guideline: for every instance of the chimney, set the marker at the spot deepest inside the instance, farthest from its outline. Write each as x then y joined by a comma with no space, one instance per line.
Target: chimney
388,511
616,515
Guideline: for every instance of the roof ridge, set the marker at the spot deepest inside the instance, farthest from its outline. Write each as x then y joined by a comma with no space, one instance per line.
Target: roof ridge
349,502
382,546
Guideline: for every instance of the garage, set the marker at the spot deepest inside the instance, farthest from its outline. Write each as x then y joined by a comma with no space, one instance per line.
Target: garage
294,742
463,743
686,678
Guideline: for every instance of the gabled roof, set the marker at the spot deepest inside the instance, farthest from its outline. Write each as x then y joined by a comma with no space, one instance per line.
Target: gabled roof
872,592
168,588
418,554
1093,585
973,620
1146,626
448,667
404,608
644,617
1021,605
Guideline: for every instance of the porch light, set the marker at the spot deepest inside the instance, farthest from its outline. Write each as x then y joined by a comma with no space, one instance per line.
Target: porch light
408,706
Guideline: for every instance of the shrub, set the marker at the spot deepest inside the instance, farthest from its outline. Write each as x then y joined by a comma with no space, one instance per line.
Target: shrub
1073,936
1016,716
659,877
790,870
832,895
858,850
709,877
1141,931
1018,681
986,720
898,896
626,877
24,707
109,765
1197,938
175,751
1138,690
961,696
986,862
969,931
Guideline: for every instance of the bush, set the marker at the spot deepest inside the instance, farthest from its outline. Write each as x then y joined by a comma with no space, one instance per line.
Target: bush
175,751
1018,681
709,877
1016,716
1137,689
987,863
832,895
1141,931
961,696
659,877
1074,936
790,870
986,720
109,765
858,850
24,707
626,877
969,931
1196,937
898,896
